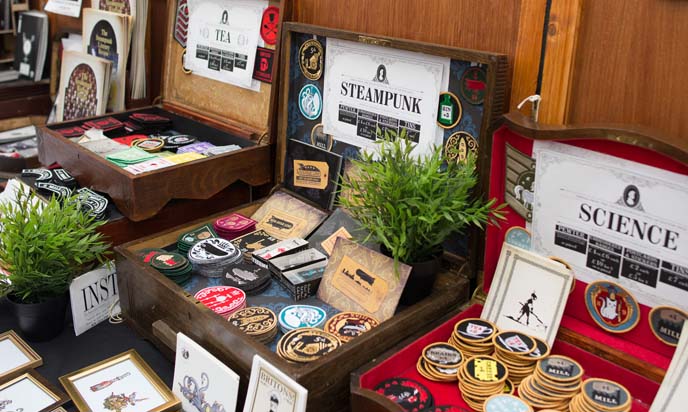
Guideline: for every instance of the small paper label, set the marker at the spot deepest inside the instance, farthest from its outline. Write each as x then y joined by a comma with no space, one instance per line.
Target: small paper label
360,284
328,244
310,174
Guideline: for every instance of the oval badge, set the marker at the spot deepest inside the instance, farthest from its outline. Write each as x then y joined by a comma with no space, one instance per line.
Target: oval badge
459,145
311,56
310,102
611,306
666,323
474,85
269,26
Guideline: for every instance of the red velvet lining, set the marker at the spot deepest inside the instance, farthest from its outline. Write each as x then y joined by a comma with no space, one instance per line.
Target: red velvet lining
403,364
640,342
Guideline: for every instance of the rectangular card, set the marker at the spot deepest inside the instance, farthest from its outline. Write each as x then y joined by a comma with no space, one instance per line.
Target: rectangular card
185,157
528,293
307,216
270,389
296,260
312,172
201,381
92,295
359,279
253,241
281,224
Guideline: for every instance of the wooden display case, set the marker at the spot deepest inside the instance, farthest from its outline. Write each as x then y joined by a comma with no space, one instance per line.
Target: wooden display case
220,113
635,359
157,308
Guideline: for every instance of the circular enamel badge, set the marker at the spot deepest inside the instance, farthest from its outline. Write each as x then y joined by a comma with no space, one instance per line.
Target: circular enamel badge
519,237
443,355
515,342
311,55
459,145
212,249
606,395
449,110
310,102
168,261
475,329
221,299
506,403
667,323
320,139
474,85
348,325
301,316
560,368
611,306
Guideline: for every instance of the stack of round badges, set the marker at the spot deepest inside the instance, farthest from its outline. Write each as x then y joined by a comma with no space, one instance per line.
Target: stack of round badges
177,141
186,240
601,395
348,325
556,380
520,353
506,402
211,257
473,337
223,300
440,362
256,321
147,254
481,377
306,345
173,265
252,279
234,226
301,316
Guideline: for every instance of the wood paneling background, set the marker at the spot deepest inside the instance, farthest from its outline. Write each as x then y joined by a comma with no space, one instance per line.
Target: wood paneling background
511,27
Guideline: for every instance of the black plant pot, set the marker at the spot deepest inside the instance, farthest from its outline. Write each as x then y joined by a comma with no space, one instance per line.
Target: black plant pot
40,321
421,280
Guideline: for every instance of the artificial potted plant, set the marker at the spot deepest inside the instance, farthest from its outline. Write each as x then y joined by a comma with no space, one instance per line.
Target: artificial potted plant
411,204
43,247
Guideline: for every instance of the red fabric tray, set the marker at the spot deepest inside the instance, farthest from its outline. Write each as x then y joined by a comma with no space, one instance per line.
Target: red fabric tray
403,364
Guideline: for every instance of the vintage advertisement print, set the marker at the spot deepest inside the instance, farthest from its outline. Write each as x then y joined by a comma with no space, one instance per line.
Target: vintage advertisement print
270,389
360,284
370,90
222,40
613,219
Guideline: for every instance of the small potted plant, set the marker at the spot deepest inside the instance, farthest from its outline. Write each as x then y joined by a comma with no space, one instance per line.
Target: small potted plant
410,205
43,247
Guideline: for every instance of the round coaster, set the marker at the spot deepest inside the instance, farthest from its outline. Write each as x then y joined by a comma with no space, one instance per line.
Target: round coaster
560,368
411,395
443,355
307,344
301,316
311,58
168,261
606,395
255,320
246,277
666,323
485,369
310,102
348,325
475,330
459,145
152,145
505,403
612,307
541,350
514,342
221,299
145,255
178,140
212,249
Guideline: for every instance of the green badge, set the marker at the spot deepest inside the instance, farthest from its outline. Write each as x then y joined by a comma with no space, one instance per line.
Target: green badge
449,111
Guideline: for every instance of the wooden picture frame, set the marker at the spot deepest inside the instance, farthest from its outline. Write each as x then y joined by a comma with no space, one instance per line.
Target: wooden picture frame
32,400
13,345
121,390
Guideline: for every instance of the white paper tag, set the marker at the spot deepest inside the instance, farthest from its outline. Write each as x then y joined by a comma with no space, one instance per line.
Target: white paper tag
91,295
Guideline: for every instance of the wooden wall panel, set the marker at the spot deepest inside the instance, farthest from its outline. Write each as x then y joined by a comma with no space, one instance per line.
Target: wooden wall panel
489,25
629,66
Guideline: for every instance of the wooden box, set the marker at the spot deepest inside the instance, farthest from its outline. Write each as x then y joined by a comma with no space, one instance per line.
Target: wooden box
220,113
635,359
157,308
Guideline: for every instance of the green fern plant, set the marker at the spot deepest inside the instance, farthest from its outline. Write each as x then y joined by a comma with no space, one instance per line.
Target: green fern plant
412,204
45,246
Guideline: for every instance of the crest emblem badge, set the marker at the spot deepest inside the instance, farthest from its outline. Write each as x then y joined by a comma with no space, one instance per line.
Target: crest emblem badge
449,111
667,323
612,307
310,102
474,85
459,145
311,56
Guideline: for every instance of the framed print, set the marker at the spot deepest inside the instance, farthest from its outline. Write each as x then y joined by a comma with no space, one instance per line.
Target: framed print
201,382
30,392
272,390
123,383
16,356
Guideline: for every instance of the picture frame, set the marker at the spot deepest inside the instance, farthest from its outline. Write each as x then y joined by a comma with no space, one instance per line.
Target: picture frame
201,381
31,391
269,387
16,356
123,383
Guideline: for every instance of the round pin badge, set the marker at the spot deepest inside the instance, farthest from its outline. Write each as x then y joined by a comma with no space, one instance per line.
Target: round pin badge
459,145
301,316
560,368
475,330
212,249
320,139
311,57
411,395
310,102
474,85
221,299
443,355
666,323
255,320
611,306
506,403
514,342
606,395
449,110
168,261
269,25
307,344
348,325
518,236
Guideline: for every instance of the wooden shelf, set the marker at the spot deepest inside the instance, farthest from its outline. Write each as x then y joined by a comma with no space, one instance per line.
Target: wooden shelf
6,59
